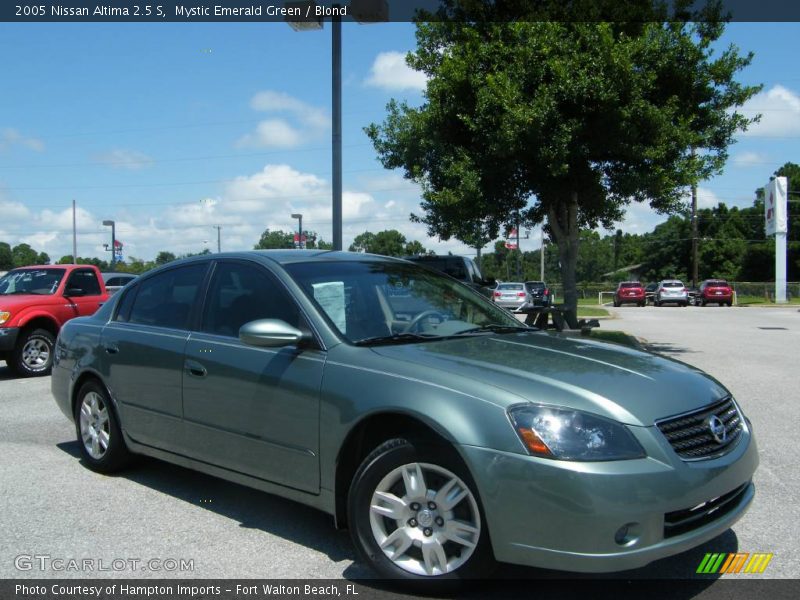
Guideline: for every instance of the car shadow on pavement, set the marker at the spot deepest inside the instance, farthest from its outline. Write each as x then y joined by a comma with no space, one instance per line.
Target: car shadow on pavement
6,374
249,507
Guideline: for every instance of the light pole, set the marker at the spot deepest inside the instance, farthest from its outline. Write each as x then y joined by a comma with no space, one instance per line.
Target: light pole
109,223
363,11
299,218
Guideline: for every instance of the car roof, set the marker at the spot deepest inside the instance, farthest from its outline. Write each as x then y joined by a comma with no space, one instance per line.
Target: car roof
287,257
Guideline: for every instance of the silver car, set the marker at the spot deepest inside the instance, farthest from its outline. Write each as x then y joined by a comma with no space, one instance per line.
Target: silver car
511,295
671,291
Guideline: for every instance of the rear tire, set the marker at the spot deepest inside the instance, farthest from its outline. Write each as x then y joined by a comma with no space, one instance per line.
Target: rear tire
97,427
33,355
415,516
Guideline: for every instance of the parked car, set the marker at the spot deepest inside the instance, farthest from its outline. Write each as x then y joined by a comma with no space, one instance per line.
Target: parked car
35,302
650,292
512,295
715,291
430,434
629,292
462,268
116,281
671,291
538,293
692,293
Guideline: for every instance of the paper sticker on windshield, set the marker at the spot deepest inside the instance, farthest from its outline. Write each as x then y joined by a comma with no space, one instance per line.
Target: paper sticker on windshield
330,297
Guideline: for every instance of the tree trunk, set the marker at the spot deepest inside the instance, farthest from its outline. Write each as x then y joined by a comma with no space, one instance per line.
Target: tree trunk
563,221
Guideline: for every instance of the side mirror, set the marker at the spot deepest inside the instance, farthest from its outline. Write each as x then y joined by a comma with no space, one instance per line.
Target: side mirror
74,293
270,333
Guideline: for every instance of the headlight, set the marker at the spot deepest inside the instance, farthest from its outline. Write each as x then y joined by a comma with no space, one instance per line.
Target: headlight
4,316
572,434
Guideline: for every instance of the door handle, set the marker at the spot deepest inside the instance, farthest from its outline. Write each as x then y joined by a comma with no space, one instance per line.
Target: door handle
111,349
195,368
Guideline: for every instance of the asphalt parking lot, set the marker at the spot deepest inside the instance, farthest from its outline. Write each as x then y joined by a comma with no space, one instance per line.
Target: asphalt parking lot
51,505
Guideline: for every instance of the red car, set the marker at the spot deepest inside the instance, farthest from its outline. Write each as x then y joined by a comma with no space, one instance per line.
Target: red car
35,302
714,290
629,292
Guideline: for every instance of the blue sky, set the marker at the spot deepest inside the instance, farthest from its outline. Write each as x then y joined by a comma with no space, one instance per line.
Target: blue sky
171,128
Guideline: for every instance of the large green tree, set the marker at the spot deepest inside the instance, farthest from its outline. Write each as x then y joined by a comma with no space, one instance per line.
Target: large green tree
6,257
563,122
275,239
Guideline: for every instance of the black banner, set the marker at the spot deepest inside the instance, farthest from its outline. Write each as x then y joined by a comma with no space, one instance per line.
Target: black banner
366,11
539,589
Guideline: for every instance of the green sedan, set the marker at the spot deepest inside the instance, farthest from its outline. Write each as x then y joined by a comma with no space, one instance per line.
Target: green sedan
443,433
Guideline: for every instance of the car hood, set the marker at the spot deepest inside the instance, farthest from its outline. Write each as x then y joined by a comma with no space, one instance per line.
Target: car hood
12,301
630,386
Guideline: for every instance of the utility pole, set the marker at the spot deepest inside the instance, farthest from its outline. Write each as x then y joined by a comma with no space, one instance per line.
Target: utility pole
519,255
694,231
336,93
74,236
219,237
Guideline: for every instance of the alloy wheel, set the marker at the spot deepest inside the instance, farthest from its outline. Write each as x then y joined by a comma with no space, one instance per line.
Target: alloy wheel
35,354
425,519
95,425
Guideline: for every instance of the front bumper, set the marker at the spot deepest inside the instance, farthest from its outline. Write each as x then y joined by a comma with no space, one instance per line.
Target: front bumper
565,515
8,338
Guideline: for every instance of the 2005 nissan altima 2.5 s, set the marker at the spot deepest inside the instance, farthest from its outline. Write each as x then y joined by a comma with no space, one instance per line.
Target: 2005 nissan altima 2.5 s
441,431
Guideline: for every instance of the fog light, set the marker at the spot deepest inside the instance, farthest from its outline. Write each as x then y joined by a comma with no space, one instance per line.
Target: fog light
628,534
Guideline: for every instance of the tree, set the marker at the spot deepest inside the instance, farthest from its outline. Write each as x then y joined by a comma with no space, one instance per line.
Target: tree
567,122
389,242
6,257
24,255
414,248
275,240
164,257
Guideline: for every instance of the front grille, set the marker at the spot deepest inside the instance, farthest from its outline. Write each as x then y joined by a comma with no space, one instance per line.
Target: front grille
681,521
690,434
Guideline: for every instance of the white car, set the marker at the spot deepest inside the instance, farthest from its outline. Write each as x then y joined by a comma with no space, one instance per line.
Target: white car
671,290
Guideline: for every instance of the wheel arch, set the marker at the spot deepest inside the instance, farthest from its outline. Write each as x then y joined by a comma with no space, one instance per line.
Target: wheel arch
368,434
40,322
80,381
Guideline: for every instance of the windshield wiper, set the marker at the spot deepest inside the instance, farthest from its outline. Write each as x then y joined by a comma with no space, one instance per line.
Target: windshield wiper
397,338
494,328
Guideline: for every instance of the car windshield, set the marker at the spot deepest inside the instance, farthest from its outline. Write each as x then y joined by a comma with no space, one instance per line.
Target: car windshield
41,282
379,300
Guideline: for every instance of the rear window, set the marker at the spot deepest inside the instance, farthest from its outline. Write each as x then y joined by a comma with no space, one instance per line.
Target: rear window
673,284
509,286
717,283
630,284
535,285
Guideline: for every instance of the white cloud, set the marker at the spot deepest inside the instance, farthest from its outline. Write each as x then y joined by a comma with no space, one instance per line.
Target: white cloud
12,137
13,211
780,113
271,101
120,158
390,72
749,159
305,122
705,198
272,133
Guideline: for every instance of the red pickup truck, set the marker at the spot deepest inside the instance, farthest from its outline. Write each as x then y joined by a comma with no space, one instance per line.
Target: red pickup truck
35,302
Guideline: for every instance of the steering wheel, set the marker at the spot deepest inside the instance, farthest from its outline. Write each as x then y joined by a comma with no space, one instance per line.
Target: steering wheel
423,315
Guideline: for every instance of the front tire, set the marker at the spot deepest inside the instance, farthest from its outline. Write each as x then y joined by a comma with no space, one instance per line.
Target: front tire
33,355
415,515
99,435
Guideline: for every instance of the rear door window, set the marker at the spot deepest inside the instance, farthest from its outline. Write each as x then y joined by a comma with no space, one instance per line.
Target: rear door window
166,299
